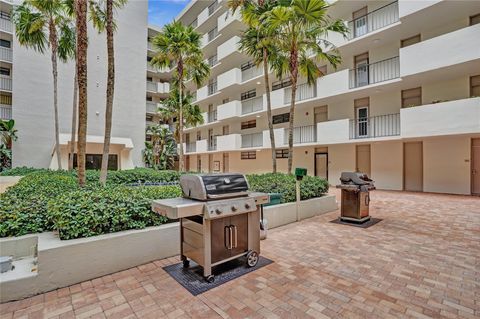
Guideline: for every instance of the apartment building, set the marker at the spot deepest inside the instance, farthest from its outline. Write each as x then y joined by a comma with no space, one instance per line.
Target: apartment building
403,107
27,94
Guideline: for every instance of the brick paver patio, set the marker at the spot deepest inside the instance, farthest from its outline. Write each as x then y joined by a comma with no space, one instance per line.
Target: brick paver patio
421,261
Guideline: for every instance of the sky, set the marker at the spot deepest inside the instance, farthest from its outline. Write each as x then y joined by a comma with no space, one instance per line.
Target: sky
161,12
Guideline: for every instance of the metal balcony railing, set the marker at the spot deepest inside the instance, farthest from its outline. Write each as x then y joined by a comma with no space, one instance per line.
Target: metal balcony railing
212,143
212,88
212,34
252,140
212,7
194,23
251,73
252,105
212,116
5,54
302,134
373,20
191,147
375,126
5,112
304,92
212,60
375,72
5,83
6,25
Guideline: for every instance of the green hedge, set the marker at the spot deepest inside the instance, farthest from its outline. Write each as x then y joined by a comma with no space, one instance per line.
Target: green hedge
21,171
284,184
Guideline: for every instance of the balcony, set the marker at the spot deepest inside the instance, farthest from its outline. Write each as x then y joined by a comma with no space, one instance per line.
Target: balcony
374,20
231,46
375,126
212,88
158,87
5,54
5,112
212,116
6,25
212,143
154,69
191,147
201,146
228,19
445,118
252,140
229,110
251,73
212,61
152,107
447,50
301,134
380,71
229,142
304,92
212,34
150,46
213,7
252,105
6,83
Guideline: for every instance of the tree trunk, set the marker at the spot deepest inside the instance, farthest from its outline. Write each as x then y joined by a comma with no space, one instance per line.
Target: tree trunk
82,45
180,116
110,93
54,48
74,122
269,110
294,74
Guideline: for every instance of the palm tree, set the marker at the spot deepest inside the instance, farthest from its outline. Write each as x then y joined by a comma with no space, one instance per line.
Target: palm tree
8,134
257,42
180,45
301,28
81,69
38,24
160,152
101,14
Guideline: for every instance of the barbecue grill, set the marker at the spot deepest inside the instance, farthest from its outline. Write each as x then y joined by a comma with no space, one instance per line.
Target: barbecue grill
219,219
355,196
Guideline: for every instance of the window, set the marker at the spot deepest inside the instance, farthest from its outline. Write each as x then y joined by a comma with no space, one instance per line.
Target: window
475,19
249,155
149,79
149,98
281,153
281,84
94,161
149,118
248,95
249,124
5,43
199,135
5,71
281,118
412,97
224,101
475,85
409,41
5,99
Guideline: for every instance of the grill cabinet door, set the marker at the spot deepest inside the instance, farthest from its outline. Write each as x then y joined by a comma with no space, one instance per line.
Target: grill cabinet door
240,236
220,237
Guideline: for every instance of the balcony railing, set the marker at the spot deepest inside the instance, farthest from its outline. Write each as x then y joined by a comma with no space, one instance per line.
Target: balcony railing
375,126
212,88
6,25
374,20
191,147
152,107
212,143
304,92
212,60
5,112
212,34
152,86
5,54
252,140
5,83
212,7
302,134
252,105
212,116
380,71
150,46
251,73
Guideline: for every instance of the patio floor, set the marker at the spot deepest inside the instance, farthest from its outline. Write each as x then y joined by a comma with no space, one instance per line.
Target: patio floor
422,260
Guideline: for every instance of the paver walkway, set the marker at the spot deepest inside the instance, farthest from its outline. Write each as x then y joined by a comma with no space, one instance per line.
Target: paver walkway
422,260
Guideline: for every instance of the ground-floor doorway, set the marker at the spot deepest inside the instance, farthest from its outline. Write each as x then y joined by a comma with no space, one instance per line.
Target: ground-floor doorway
413,166
321,165
225,163
363,159
475,160
94,161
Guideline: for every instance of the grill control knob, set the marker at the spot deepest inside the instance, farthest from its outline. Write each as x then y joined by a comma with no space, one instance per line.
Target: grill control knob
218,211
234,208
247,206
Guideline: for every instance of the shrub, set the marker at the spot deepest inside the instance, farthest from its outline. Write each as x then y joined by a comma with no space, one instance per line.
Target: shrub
284,184
142,175
21,171
95,211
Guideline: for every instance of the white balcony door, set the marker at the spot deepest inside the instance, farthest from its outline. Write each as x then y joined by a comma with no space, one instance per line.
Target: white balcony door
361,69
362,121
360,22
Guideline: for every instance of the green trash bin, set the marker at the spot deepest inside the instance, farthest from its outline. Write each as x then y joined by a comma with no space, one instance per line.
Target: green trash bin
275,199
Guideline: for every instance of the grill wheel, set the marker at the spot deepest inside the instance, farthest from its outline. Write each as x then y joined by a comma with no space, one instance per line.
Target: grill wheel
252,258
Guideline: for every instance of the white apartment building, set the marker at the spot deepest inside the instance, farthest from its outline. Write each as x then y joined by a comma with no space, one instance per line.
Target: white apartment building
403,107
27,94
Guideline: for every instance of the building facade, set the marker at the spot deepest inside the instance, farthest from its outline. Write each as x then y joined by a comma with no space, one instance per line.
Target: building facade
27,94
403,106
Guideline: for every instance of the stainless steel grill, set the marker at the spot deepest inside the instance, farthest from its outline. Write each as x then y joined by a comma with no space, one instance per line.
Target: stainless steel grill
355,197
219,219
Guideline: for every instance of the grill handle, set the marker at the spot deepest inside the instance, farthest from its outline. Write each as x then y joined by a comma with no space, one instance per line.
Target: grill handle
225,236
367,200
236,236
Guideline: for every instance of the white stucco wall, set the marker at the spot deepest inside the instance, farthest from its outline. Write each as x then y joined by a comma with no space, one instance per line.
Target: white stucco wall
33,90
387,165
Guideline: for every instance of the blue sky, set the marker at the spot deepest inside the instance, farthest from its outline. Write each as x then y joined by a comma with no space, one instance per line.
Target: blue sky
161,12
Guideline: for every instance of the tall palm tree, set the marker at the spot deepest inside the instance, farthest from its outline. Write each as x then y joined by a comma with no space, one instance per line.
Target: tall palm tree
258,43
8,134
160,152
40,24
81,69
101,14
301,29
180,44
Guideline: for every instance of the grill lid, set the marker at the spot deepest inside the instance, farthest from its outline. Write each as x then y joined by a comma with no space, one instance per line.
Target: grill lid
213,186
